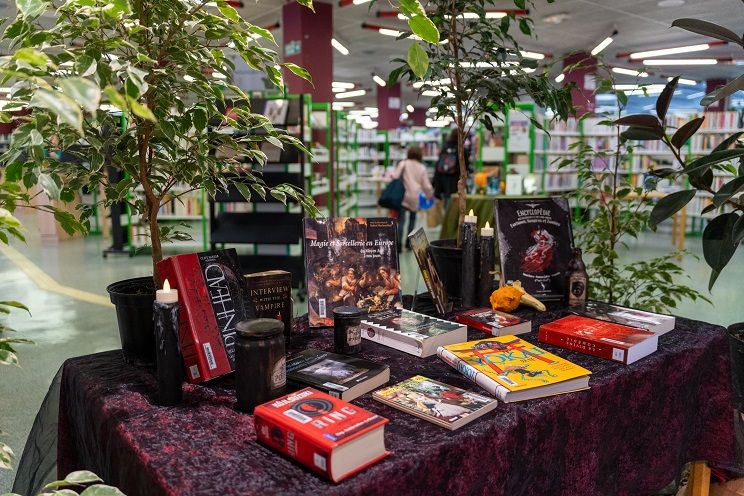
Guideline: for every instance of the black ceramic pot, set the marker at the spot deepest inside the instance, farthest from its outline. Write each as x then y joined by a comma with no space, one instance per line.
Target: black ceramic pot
448,259
133,299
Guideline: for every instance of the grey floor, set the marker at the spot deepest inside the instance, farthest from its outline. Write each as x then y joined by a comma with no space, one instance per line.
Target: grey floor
64,327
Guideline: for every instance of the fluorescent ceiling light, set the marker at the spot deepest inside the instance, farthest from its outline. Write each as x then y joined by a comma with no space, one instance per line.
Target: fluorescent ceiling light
650,88
560,77
474,15
629,72
369,124
439,82
377,79
218,75
602,45
699,94
669,51
360,2
409,108
339,47
688,82
343,104
532,55
338,89
351,94
680,62
389,32
341,84
430,93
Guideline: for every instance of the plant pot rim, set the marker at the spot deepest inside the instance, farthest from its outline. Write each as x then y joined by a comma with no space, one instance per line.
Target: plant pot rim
133,289
445,244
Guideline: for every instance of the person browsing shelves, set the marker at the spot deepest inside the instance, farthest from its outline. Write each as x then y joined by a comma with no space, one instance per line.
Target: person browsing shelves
415,180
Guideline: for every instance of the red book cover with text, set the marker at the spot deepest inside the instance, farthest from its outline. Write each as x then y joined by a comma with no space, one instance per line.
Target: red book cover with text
328,435
599,338
213,298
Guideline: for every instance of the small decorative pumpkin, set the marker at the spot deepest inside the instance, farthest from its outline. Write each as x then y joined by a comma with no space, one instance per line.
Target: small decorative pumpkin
507,298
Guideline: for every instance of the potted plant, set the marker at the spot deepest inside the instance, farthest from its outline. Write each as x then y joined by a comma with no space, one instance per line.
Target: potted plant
130,85
477,72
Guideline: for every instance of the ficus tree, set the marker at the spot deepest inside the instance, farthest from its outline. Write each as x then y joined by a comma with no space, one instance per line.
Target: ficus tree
477,71
132,85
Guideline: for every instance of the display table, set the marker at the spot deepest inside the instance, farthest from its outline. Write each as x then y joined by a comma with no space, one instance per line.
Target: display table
629,434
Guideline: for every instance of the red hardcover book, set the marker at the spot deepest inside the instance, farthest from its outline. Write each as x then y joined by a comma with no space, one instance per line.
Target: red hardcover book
213,298
599,338
494,322
328,435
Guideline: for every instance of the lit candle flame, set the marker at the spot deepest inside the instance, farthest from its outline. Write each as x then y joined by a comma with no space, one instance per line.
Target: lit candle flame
166,286
487,226
471,212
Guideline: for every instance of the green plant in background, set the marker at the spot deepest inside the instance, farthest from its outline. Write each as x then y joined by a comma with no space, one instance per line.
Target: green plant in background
88,483
615,211
153,62
477,70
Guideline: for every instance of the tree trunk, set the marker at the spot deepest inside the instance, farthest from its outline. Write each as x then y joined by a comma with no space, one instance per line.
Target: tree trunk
157,249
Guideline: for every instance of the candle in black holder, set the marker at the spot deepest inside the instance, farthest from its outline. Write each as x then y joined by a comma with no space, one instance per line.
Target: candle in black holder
485,279
168,353
469,260
260,365
347,330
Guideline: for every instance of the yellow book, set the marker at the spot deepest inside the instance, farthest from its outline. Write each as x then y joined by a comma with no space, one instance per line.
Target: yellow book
512,369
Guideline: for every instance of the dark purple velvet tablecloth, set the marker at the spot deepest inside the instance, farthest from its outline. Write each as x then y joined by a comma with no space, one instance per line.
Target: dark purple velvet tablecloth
628,435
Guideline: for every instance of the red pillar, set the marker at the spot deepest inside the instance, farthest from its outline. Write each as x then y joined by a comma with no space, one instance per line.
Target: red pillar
418,116
388,106
712,85
307,43
583,77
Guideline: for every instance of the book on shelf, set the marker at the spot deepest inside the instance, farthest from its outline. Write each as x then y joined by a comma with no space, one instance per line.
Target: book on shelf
271,293
600,338
276,111
494,322
411,332
439,403
654,322
512,369
535,243
328,435
340,376
350,262
420,249
213,298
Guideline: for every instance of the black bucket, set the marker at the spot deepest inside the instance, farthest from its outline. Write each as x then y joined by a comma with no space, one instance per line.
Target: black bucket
448,259
133,299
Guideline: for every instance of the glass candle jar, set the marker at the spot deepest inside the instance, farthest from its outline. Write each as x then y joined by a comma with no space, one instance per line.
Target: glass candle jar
260,365
347,330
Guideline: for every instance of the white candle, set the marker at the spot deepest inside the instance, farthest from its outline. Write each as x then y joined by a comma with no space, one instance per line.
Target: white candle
166,295
487,230
471,218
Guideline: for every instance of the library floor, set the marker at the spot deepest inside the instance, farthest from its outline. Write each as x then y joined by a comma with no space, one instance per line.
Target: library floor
75,318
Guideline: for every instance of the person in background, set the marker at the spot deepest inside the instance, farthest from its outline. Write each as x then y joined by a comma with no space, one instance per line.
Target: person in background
415,179
447,172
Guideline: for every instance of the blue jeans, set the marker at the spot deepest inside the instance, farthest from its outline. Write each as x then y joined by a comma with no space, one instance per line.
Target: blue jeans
401,228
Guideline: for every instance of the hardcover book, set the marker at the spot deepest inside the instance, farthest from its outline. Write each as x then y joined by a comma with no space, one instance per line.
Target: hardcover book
654,322
271,293
328,435
350,262
439,403
412,332
420,248
535,244
494,322
600,338
213,297
512,369
340,376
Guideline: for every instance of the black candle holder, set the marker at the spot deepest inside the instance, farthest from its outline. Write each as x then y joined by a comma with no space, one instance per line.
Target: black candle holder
485,281
260,364
167,353
347,330
469,263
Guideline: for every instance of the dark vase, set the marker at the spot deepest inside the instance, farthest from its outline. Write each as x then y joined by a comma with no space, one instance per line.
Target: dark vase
448,259
133,299
736,347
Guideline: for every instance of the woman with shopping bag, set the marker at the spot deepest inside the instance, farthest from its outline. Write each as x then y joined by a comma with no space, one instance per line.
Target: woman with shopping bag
415,179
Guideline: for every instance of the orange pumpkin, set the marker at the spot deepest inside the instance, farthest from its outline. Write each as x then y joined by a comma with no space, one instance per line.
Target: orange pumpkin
481,179
505,299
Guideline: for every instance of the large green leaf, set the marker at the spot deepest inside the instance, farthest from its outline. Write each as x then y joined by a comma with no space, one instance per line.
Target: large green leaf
102,490
8,358
718,244
424,28
31,8
662,103
86,65
307,3
686,131
66,110
85,92
708,29
141,110
725,144
14,304
670,205
723,92
642,134
116,99
229,12
299,71
713,158
728,190
418,60
738,234
639,120
33,57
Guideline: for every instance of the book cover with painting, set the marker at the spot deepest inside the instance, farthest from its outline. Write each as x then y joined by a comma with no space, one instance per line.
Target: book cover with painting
350,262
535,244
420,249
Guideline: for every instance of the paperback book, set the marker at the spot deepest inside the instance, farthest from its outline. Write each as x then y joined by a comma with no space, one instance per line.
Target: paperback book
214,297
276,111
654,322
494,322
439,403
350,262
340,376
328,435
512,369
535,244
271,293
420,248
600,338
412,332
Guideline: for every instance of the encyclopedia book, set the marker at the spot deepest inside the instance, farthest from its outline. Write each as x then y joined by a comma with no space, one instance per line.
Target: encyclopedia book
535,244
654,322
411,332
600,338
494,322
213,298
329,436
512,369
439,403
271,294
340,376
350,262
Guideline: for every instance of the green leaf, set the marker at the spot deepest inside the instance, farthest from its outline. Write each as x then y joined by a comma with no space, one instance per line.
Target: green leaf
418,60
662,103
83,91
524,26
713,158
102,490
33,57
31,8
307,3
275,141
116,8
642,134
67,222
137,76
726,144
15,304
275,76
670,205
718,244
115,98
686,132
639,120
141,110
702,180
8,358
51,188
299,71
86,65
82,477
66,110
199,119
244,190
713,278
708,29
424,28
728,190
229,12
